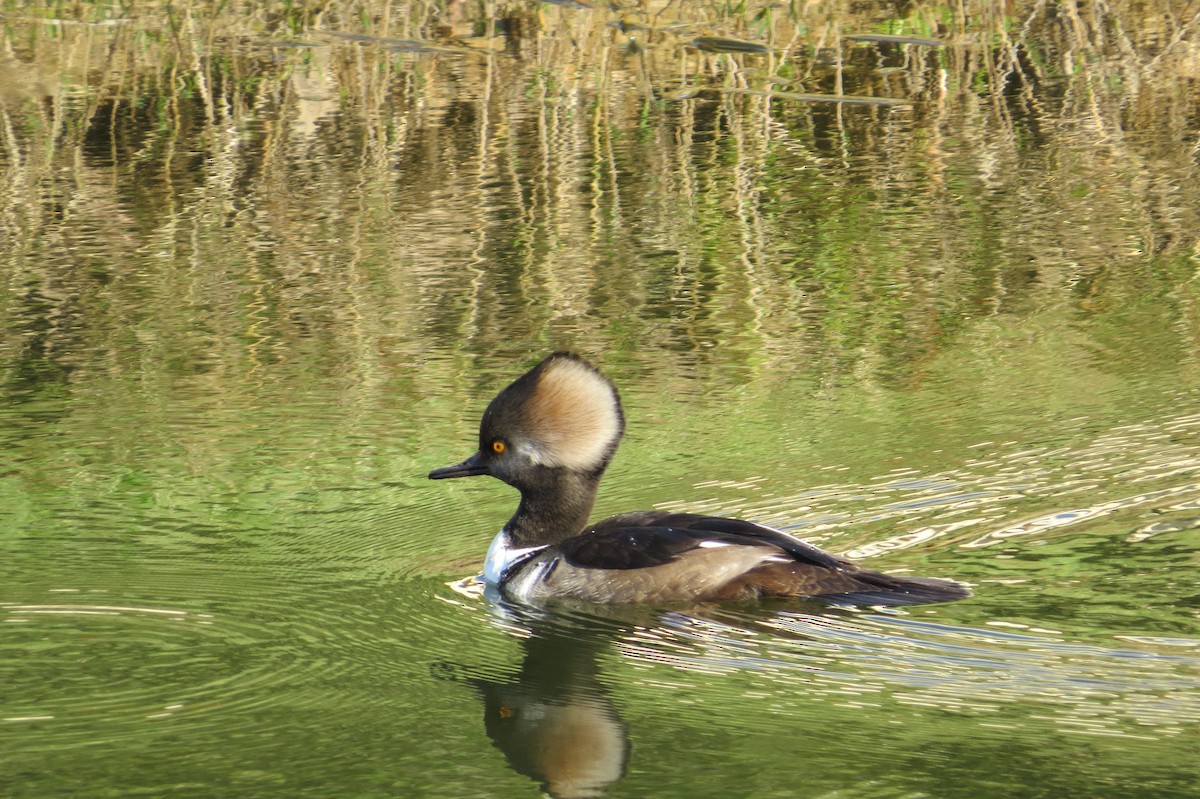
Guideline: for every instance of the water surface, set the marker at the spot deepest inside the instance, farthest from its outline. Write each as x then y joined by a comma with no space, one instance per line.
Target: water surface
263,269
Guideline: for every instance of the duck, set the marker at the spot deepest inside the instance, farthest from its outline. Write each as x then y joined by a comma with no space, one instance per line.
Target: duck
551,435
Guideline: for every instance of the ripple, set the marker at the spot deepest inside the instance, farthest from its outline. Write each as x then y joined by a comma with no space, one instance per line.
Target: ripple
135,662
1084,688
1064,518
129,663
93,670
1170,526
973,506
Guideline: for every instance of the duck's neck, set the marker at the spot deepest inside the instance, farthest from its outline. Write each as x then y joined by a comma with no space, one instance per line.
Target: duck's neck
553,510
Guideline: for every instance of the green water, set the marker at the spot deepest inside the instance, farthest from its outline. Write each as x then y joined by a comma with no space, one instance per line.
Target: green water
257,280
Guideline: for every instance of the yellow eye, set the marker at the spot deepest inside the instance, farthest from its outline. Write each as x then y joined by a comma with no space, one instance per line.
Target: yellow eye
498,447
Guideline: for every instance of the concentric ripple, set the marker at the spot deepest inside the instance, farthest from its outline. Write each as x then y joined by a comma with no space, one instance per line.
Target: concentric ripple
92,670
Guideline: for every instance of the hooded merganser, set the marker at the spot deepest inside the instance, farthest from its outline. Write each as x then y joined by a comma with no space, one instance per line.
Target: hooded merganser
551,434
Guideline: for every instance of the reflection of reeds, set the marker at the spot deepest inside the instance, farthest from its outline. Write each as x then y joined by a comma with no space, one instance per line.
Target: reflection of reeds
507,179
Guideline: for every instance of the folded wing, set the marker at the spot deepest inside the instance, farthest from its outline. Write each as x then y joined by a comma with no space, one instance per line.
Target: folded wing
654,556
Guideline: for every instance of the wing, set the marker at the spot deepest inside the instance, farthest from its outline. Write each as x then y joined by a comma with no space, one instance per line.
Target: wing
652,538
656,556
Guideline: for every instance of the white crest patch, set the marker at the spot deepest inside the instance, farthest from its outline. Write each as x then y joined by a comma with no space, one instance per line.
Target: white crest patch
573,414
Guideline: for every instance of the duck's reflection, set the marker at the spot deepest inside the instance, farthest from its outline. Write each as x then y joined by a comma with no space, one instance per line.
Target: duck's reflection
554,721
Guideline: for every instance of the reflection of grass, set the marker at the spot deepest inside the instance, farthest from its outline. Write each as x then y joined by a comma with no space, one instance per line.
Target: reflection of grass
285,166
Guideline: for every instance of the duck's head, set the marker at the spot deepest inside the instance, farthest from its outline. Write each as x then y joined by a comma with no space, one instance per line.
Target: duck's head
562,416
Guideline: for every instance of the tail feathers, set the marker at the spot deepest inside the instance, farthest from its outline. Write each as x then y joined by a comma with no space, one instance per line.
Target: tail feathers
892,590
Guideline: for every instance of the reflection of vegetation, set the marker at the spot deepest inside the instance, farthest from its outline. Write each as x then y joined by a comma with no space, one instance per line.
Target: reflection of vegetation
276,126
224,189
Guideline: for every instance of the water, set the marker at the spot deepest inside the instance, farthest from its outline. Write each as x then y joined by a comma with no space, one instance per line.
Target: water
259,278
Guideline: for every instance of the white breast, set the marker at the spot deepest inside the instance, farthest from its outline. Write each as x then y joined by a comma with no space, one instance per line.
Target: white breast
501,554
